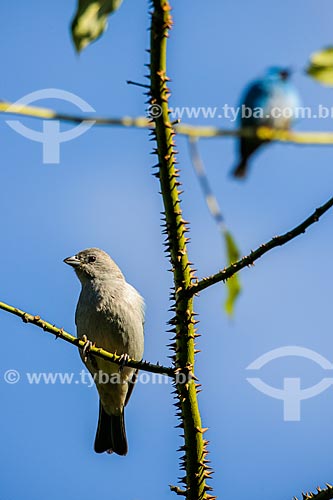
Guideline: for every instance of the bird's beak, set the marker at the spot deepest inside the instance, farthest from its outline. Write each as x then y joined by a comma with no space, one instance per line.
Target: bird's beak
72,261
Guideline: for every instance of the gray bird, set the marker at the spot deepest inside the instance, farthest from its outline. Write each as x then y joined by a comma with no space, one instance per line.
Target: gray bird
110,313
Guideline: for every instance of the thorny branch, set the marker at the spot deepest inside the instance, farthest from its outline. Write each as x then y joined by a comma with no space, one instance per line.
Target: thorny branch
94,350
194,461
249,259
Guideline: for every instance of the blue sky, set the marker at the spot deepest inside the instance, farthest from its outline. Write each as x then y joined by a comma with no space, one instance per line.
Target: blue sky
103,194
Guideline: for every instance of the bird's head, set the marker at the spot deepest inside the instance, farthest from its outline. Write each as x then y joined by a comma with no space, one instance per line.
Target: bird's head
278,73
93,263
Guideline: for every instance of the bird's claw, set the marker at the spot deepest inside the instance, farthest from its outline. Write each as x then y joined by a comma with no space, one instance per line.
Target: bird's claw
86,348
123,360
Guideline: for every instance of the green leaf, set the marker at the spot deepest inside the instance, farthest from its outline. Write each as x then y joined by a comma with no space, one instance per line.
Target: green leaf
90,20
233,284
321,66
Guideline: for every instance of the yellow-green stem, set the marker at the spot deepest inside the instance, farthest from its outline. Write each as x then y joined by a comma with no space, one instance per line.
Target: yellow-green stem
194,461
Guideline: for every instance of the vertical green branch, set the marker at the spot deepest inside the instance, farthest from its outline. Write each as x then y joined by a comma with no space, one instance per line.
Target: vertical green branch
194,461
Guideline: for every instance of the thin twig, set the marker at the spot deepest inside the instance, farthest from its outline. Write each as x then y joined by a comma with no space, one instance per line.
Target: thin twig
249,259
210,198
96,351
137,84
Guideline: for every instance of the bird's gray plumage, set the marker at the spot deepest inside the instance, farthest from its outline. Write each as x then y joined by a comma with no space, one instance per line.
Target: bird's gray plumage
110,312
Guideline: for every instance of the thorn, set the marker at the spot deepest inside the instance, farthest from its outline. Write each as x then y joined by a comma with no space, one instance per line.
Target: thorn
61,331
25,318
202,430
177,490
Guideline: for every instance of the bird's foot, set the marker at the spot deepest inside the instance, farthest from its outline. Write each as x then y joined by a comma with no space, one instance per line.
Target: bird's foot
124,359
86,348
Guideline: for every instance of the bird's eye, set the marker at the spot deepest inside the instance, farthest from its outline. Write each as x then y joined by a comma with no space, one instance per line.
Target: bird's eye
91,258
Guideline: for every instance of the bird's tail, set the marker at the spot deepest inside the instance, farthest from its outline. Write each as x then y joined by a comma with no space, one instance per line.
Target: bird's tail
241,169
118,434
111,434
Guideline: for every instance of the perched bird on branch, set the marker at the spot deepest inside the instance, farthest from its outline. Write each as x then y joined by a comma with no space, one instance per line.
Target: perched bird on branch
110,313
271,101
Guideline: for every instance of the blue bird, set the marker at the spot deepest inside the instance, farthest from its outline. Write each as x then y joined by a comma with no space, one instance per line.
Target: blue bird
271,101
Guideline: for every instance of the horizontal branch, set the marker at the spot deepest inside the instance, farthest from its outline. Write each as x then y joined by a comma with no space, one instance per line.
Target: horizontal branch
96,351
249,259
50,114
263,133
